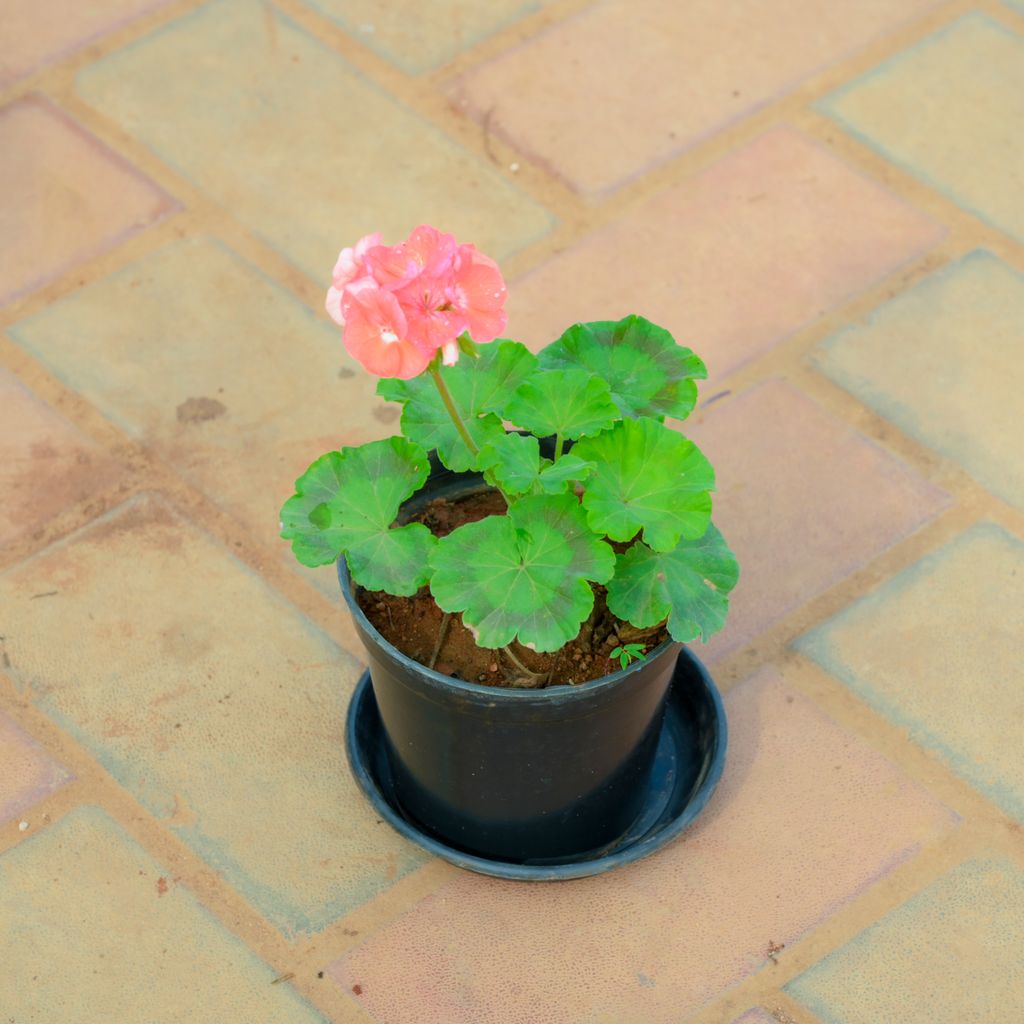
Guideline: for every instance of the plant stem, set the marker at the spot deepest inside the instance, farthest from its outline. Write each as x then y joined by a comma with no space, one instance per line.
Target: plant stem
558,446
460,423
449,404
528,679
442,635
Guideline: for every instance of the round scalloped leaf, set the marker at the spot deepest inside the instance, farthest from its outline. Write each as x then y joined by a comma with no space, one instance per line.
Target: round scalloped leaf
479,387
513,461
689,586
646,477
568,469
522,576
648,372
566,403
346,503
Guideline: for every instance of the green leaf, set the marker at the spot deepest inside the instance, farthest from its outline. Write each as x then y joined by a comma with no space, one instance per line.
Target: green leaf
522,576
513,460
569,403
480,387
648,372
346,503
569,468
689,585
647,476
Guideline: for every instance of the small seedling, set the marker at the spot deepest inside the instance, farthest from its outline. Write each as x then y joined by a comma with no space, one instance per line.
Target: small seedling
627,653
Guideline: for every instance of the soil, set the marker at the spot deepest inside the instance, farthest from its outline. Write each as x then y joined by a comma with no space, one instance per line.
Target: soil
421,631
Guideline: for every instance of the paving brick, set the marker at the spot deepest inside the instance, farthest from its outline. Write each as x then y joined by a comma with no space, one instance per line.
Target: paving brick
950,955
306,152
39,33
937,650
212,700
419,37
942,361
732,260
802,499
95,929
27,772
64,197
806,818
625,85
240,389
943,110
46,464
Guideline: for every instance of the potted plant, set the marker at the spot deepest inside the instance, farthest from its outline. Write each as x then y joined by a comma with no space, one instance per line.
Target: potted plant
523,563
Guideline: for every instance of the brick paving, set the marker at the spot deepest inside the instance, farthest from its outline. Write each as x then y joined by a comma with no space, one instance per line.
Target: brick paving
826,203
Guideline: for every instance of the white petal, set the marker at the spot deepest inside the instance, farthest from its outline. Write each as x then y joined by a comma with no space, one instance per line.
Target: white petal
333,306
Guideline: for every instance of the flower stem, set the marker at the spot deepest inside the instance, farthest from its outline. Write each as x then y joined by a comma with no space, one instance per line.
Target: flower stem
460,423
449,404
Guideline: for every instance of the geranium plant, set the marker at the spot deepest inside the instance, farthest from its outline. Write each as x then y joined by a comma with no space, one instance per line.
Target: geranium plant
624,501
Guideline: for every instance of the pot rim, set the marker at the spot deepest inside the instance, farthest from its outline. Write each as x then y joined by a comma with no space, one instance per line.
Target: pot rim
496,693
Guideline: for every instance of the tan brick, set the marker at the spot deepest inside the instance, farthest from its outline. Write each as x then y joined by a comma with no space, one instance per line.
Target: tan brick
604,96
46,464
943,362
64,197
802,499
38,33
733,260
239,388
96,929
806,818
950,955
947,110
937,649
212,700
296,143
417,36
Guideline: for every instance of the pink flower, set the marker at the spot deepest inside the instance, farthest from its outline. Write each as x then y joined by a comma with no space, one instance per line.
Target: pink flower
401,304
376,332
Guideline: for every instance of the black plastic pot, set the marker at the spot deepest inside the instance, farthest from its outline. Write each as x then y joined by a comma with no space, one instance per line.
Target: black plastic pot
507,773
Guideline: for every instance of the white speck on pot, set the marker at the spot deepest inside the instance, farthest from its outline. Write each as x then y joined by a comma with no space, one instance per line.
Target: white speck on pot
514,168
22,826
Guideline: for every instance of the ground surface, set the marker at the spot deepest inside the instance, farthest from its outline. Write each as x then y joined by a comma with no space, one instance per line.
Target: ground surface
822,198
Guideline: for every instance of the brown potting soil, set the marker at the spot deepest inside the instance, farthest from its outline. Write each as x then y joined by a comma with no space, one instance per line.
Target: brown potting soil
421,631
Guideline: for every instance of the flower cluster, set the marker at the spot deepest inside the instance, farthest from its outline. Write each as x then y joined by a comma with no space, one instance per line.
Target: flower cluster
401,304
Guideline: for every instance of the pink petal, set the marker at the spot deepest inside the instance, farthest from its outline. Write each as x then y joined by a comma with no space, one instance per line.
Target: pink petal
392,266
433,250
479,292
